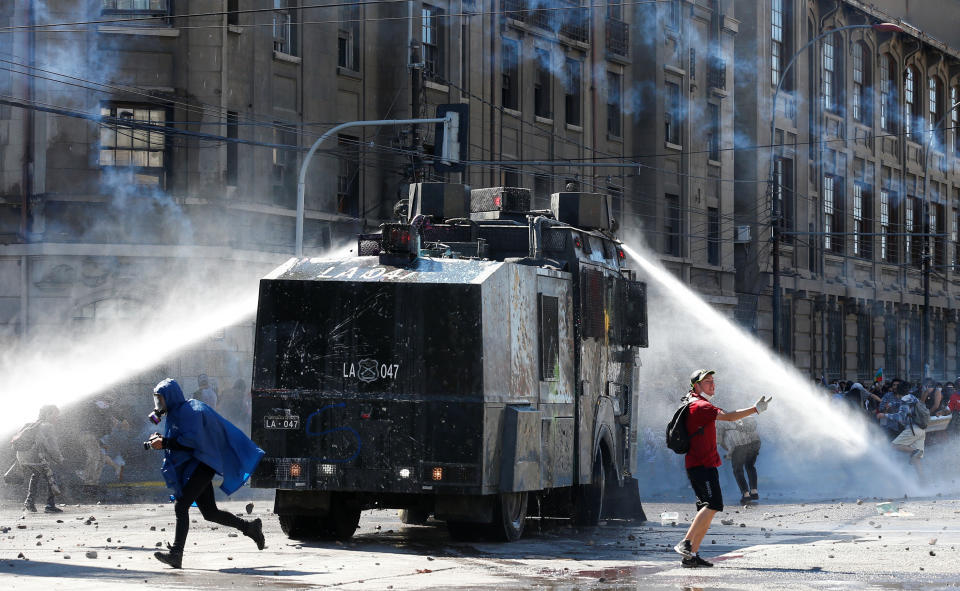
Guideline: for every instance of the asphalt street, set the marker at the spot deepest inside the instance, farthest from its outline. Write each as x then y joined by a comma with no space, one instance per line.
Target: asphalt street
839,544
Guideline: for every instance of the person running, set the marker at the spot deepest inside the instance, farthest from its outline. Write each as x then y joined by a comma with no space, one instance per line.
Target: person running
36,455
197,444
702,460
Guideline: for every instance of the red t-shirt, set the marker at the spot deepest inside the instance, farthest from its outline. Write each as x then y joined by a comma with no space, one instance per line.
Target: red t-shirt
703,446
954,404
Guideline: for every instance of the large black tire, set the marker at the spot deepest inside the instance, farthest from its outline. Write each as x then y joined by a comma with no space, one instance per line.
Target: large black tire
342,522
301,527
414,516
509,517
588,505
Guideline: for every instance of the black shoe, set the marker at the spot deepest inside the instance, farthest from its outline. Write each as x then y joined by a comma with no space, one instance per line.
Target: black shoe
174,559
29,506
255,533
755,496
684,549
701,562
52,509
745,499
689,562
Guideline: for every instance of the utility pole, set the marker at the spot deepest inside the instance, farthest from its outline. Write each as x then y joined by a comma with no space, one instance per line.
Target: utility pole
416,92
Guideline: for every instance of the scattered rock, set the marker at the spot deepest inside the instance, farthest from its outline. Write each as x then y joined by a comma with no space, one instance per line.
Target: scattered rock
153,528
109,540
229,557
21,555
713,541
249,508
231,535
430,558
726,521
631,537
829,555
158,544
932,541
66,557
743,525
859,501
91,554
932,553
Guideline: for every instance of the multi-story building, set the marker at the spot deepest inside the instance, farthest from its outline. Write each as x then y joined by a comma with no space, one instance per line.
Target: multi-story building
130,129
865,172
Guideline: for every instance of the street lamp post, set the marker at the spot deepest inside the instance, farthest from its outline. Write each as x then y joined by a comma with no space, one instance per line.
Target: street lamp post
776,214
928,250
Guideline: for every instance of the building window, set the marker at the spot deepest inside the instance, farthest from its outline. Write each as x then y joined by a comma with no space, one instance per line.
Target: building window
510,90
713,236
284,27
129,143
912,246
835,339
955,118
862,218
571,97
348,175
542,85
433,42
912,105
935,101
888,102
233,148
713,132
777,48
616,202
783,192
938,242
884,225
137,8
541,191
671,113
233,12
829,213
864,346
613,104
673,14
671,226
829,74
284,164
955,245
348,38
860,100
786,329
891,342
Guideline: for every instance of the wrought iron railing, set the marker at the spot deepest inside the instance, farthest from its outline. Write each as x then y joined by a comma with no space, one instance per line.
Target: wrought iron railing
618,38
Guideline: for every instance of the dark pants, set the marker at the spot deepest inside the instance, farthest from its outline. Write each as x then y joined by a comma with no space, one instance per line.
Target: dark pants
40,472
199,490
743,459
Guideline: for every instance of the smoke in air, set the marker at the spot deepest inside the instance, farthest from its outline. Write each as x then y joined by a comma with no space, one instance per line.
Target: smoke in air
812,447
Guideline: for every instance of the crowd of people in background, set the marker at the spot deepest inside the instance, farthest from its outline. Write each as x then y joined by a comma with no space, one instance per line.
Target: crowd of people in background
902,410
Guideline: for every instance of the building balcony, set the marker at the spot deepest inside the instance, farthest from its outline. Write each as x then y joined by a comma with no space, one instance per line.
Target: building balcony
576,24
618,38
516,10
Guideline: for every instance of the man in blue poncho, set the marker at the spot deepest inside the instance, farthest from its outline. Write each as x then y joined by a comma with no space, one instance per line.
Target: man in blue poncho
197,444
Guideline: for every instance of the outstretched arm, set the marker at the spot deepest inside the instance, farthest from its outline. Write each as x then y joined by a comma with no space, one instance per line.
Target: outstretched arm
736,415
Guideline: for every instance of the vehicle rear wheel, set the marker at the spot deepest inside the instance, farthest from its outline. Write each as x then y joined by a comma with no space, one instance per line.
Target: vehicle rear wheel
589,502
342,521
414,516
509,517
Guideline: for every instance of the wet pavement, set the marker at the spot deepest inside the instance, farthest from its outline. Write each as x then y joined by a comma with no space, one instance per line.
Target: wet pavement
768,546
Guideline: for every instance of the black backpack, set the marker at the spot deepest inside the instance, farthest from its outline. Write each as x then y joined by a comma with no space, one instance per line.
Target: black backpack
678,439
26,437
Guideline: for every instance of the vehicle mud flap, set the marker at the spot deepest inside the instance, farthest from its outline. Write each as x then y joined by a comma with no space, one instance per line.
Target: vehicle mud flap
623,502
588,502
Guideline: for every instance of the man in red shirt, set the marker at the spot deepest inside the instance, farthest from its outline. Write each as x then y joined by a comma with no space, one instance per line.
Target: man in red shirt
702,460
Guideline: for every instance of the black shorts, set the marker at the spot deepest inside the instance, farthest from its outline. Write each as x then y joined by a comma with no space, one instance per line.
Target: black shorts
706,485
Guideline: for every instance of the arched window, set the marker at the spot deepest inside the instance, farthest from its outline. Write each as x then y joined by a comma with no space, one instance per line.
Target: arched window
935,106
860,100
888,94
829,73
911,104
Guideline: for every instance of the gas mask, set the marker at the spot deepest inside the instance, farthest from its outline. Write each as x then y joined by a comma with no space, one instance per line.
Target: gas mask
159,409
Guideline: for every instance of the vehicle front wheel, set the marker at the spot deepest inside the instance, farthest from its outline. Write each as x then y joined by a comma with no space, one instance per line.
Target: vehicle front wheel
589,502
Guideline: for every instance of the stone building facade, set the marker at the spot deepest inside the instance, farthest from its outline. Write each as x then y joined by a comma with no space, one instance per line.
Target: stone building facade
864,117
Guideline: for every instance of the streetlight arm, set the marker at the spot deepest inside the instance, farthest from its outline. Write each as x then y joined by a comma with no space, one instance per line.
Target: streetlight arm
302,178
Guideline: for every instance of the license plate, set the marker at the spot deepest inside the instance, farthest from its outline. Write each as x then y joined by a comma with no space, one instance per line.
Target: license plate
288,422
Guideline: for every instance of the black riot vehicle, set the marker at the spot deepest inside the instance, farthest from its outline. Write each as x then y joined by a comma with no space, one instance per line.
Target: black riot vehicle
475,361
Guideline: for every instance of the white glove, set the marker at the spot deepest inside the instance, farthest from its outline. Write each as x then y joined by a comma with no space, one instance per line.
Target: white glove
761,404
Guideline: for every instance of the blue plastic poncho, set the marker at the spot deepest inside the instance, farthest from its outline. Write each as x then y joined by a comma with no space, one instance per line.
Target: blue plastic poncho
214,441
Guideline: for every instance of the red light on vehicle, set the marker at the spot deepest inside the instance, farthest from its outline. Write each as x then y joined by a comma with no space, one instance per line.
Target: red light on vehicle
364,415
295,470
497,201
577,242
438,473
620,254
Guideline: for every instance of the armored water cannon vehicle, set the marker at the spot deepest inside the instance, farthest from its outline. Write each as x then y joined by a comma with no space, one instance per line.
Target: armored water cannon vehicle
474,357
